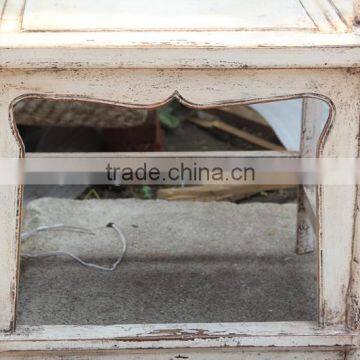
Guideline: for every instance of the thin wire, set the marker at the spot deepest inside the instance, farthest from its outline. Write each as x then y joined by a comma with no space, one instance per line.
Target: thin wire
31,233
27,234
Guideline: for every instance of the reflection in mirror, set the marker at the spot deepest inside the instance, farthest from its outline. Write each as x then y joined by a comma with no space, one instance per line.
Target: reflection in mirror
194,253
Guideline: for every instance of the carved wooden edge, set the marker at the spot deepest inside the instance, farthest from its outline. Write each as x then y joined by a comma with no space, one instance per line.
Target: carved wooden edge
20,193
175,95
334,313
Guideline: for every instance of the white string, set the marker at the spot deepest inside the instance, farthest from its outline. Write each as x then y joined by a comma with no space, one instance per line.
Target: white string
31,233
27,234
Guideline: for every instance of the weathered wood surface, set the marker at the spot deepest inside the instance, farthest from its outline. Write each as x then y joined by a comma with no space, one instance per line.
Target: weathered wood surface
275,335
149,88
112,15
10,219
119,63
189,15
194,354
72,34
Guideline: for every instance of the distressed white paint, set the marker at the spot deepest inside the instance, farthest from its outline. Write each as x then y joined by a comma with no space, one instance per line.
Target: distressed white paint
152,87
147,68
189,354
270,46
110,15
131,50
277,335
10,219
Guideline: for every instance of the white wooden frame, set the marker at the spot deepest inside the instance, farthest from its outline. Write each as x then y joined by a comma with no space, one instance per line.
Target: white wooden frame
201,89
201,69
